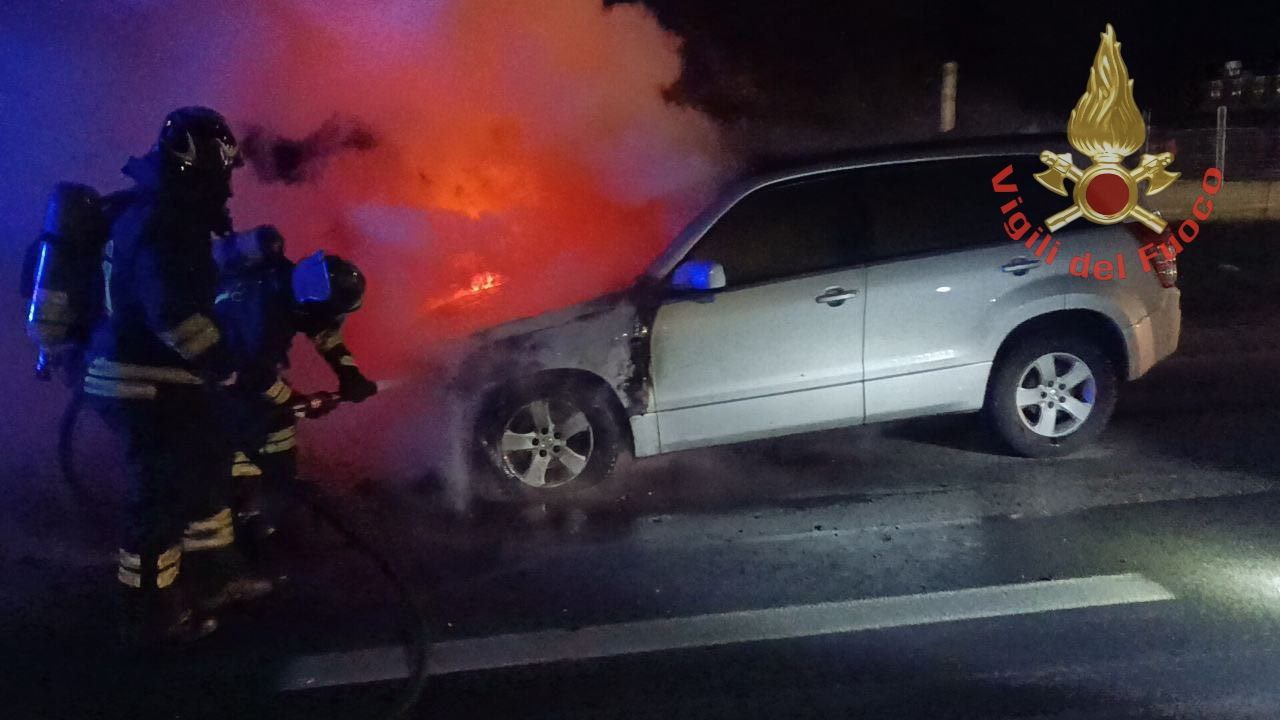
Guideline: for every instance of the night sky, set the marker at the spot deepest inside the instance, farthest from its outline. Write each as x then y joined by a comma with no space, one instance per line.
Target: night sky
871,74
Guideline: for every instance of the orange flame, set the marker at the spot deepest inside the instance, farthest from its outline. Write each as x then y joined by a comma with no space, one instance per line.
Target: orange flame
481,284
484,281
1106,124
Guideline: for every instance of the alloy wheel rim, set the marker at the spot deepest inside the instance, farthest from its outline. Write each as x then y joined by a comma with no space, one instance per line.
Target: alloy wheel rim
1056,394
546,443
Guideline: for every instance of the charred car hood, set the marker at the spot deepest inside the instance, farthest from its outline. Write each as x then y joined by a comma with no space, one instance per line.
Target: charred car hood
604,337
555,318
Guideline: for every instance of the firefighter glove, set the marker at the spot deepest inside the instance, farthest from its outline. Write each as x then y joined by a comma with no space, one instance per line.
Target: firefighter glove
354,387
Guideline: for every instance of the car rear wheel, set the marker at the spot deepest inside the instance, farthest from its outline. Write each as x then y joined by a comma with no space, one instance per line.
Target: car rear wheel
548,439
1050,395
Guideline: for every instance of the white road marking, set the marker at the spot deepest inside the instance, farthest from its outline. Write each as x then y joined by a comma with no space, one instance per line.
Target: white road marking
699,631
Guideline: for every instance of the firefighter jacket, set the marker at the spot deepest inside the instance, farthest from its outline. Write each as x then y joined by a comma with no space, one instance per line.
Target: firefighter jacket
159,281
256,308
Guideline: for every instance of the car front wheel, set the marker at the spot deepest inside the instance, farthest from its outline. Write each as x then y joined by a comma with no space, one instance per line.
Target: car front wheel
548,439
1050,395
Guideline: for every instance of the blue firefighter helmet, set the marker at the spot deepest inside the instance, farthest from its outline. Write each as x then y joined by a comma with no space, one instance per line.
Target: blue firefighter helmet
327,284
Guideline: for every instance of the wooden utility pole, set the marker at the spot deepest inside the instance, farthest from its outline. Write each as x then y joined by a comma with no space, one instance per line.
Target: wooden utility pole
950,74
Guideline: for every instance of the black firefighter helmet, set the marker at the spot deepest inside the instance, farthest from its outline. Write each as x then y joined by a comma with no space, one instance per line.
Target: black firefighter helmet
196,143
328,285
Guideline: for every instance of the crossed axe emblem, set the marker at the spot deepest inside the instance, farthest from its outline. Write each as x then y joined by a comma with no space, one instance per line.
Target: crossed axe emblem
1106,192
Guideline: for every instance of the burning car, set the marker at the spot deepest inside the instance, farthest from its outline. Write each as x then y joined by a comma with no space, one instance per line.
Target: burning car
838,293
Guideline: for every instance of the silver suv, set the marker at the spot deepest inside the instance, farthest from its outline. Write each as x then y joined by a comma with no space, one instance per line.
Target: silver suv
853,292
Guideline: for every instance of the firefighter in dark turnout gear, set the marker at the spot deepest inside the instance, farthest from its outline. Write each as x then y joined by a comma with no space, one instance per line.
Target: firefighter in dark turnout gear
156,366
264,300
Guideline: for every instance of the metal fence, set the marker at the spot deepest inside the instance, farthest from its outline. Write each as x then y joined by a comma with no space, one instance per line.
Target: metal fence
1252,153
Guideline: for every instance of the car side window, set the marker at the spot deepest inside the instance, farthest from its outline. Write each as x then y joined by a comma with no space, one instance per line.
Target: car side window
787,229
940,205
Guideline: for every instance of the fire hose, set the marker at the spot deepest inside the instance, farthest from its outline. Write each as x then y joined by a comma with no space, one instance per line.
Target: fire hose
307,406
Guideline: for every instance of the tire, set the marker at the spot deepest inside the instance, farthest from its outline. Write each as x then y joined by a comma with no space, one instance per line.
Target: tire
1036,423
573,464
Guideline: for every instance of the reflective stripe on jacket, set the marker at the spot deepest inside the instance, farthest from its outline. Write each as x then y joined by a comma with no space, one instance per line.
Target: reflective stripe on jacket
130,381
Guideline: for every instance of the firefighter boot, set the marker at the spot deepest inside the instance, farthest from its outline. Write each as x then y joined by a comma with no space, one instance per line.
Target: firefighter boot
253,526
254,531
155,608
220,573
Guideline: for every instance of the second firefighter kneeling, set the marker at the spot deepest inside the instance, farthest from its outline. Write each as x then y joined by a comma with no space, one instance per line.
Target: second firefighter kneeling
264,300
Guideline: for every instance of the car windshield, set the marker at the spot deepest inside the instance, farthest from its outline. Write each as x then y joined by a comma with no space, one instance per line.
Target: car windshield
639,358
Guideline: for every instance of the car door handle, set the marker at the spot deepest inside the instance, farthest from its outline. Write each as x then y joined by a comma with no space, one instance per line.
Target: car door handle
1019,266
836,296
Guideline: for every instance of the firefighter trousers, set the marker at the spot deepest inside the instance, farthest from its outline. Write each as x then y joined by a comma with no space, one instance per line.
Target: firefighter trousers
264,464
177,521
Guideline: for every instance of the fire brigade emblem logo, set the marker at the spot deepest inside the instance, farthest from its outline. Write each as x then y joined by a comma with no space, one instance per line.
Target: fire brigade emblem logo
1106,127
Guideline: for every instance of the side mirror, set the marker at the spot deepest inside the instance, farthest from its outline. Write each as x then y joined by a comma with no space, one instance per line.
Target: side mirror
698,275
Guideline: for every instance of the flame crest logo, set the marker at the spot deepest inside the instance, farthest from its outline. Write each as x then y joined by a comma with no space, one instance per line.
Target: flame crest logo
1106,127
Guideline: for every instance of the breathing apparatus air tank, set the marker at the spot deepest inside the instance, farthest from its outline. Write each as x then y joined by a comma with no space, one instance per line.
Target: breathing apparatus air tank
65,282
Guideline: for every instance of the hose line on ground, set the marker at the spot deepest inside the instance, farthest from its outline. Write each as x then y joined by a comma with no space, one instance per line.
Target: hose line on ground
66,445
414,616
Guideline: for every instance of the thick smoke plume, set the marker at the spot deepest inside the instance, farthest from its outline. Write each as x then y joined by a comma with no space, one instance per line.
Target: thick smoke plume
520,150
277,159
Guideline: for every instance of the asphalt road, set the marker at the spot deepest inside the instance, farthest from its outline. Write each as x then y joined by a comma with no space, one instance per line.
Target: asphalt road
898,571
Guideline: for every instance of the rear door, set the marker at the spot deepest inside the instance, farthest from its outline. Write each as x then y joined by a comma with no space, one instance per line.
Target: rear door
942,270
779,349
